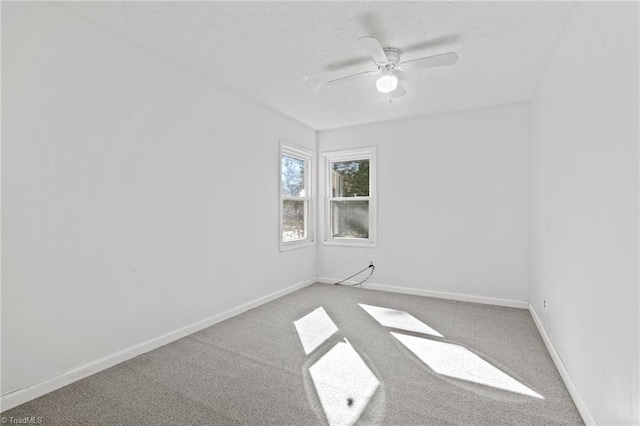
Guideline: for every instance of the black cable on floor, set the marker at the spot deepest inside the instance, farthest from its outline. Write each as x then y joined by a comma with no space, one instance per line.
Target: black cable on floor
373,268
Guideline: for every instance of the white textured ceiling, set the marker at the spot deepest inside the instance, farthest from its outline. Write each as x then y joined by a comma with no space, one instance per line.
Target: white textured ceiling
282,53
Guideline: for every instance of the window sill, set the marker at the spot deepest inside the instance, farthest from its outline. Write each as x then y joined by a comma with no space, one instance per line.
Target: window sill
296,245
349,242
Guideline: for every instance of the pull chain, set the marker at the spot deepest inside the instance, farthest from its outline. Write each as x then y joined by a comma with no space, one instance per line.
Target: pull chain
390,97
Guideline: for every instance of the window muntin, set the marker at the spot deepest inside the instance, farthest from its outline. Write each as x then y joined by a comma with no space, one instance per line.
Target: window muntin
350,200
296,209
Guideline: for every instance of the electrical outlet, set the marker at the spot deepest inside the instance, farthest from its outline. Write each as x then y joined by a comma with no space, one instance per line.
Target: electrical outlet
371,263
544,303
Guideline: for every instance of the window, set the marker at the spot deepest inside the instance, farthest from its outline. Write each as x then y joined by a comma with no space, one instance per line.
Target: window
296,197
350,203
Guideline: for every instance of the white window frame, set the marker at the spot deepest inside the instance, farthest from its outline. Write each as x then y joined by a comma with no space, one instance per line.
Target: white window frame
370,154
309,157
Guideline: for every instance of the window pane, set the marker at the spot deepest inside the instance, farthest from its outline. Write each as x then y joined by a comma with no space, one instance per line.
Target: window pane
350,219
293,220
350,178
293,176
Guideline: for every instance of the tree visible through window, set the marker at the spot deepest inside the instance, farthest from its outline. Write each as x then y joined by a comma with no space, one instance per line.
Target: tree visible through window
350,216
296,178
293,192
350,199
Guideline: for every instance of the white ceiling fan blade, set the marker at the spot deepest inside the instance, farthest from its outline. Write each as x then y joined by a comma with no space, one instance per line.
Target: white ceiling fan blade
400,91
430,61
372,45
350,77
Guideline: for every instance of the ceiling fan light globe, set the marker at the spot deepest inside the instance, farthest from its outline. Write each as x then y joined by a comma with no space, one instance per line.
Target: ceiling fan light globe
387,83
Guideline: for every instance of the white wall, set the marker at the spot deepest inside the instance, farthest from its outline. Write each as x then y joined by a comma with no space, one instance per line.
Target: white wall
453,203
136,195
585,206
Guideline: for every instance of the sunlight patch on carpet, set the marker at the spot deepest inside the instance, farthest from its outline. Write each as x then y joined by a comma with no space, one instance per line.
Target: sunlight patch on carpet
398,319
344,384
458,362
314,329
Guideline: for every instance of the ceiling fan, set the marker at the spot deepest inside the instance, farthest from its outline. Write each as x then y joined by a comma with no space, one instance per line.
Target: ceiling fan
387,60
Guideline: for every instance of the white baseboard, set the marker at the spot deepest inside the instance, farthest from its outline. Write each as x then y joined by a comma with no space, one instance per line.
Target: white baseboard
564,373
438,294
27,393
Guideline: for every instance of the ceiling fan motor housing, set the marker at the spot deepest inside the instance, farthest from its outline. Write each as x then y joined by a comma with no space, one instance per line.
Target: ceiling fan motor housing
393,56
